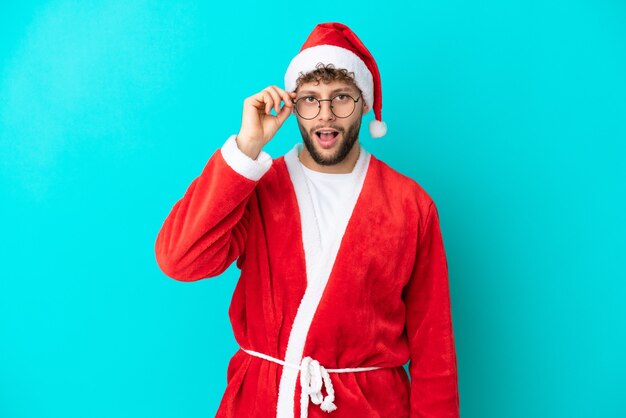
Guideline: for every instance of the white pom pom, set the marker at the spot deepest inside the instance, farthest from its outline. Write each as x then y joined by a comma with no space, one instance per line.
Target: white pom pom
378,128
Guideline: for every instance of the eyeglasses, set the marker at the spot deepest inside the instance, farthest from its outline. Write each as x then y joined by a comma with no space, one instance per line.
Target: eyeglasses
342,106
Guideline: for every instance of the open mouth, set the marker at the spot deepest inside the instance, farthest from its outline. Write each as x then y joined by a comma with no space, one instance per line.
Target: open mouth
326,135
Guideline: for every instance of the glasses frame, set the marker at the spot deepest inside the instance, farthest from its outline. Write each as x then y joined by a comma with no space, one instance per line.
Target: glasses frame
319,105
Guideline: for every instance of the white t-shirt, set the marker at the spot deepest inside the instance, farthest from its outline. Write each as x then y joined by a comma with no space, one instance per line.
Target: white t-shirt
329,193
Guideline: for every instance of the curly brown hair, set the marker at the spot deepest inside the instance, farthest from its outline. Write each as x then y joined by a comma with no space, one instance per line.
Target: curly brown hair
327,73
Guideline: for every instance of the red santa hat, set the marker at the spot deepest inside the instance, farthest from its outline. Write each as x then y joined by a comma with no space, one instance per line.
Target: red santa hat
334,43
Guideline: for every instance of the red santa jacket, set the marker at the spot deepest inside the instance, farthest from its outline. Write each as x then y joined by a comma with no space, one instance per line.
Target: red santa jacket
378,297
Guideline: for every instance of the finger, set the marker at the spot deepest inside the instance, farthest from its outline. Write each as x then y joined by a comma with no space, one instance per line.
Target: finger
292,96
259,100
269,101
280,90
275,97
284,95
283,114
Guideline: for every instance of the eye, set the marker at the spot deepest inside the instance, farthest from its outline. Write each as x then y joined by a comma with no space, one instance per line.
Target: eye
306,99
341,97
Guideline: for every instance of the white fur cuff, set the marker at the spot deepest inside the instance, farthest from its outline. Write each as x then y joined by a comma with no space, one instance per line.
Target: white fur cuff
242,163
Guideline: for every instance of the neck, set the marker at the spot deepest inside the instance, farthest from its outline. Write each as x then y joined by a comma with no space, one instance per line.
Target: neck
343,167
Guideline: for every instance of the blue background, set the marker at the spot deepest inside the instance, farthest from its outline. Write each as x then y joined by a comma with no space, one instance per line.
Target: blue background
510,114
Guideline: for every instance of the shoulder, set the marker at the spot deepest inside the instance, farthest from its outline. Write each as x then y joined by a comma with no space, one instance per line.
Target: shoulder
276,179
402,185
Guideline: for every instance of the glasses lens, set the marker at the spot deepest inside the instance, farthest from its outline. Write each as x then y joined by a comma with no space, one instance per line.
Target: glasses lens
308,107
343,105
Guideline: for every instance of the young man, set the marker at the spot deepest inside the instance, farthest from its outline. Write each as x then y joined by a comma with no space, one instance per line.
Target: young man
344,276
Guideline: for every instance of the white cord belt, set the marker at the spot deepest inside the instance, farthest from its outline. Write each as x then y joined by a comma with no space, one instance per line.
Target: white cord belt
312,374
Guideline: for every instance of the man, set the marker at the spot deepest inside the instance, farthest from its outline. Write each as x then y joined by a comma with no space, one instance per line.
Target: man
344,276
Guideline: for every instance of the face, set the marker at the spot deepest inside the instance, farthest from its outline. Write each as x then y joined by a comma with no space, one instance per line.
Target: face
324,149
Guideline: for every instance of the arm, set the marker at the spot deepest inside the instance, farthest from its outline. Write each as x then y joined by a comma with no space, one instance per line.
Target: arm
207,228
433,366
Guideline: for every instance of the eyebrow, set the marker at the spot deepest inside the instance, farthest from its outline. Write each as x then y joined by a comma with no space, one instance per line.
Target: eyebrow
342,89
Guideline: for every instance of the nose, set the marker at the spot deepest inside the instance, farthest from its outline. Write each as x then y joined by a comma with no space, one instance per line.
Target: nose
325,111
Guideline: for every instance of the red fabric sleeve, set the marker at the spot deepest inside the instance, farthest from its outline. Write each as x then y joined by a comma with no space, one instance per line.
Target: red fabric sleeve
206,229
433,365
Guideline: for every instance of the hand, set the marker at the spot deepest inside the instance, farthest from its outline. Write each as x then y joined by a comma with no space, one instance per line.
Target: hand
258,125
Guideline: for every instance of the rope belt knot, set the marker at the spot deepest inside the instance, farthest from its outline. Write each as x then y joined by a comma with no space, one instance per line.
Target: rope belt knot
312,377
